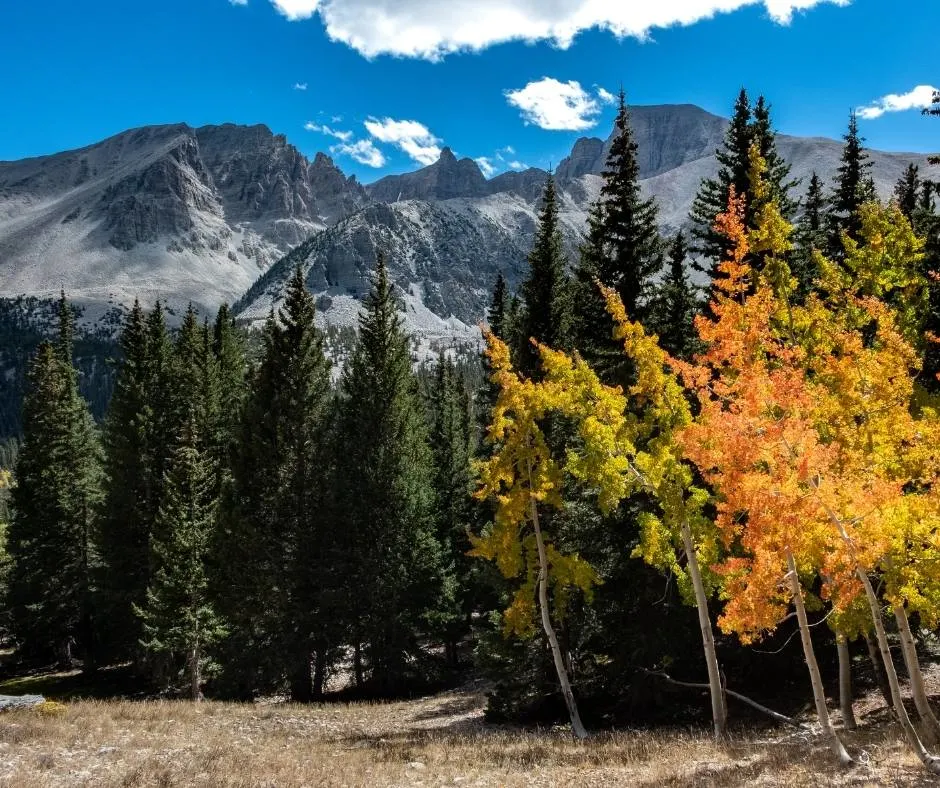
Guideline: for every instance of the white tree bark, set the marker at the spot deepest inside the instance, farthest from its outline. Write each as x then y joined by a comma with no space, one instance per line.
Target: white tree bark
819,695
719,702
918,689
577,728
929,760
845,683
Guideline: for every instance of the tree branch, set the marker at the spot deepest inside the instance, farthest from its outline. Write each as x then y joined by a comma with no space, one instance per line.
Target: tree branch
743,698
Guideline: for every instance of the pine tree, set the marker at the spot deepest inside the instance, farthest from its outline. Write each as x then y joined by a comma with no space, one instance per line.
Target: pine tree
778,169
676,304
499,307
275,565
853,188
129,504
810,237
545,314
54,504
747,127
393,576
907,191
229,349
927,225
623,250
712,197
452,447
179,622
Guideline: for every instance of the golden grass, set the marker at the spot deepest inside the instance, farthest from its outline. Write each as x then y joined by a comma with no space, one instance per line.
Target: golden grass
438,741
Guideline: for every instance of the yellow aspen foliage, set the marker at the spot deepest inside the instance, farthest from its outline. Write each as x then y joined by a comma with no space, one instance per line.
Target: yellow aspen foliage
520,474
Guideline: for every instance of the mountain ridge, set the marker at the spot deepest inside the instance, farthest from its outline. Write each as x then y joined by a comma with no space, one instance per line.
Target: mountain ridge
210,213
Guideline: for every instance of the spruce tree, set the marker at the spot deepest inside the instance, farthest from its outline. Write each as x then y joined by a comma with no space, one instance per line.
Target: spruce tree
546,315
129,503
228,347
179,623
927,224
712,197
676,303
498,308
748,126
907,191
623,250
55,500
452,447
810,237
778,169
853,188
394,573
275,566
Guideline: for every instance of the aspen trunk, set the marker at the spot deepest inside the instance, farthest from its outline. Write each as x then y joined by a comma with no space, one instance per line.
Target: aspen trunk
845,683
879,670
918,690
319,673
357,666
930,761
195,675
822,711
577,728
719,702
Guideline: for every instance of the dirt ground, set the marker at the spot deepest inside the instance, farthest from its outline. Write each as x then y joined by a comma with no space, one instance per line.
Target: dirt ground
437,741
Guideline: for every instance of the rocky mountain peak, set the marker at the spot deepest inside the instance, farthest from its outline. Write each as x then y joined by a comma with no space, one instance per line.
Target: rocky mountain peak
446,179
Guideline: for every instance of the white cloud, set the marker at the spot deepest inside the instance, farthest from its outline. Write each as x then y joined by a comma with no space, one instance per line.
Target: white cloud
300,86
412,137
486,166
518,166
605,95
431,29
238,2
556,106
918,98
345,136
296,9
363,151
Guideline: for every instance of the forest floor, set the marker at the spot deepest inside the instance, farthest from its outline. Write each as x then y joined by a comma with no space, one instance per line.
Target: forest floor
436,741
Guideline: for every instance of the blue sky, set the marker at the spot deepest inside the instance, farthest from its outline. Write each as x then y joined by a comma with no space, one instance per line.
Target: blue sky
449,73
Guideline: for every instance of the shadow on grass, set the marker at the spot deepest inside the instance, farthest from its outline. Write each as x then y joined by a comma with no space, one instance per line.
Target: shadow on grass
112,683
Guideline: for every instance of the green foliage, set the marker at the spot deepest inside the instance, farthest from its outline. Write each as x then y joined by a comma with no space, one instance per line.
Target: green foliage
853,188
54,503
179,622
25,322
676,303
623,250
394,580
810,238
273,563
749,126
546,308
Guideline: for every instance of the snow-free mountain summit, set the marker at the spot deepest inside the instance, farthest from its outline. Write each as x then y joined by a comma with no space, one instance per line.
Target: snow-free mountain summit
224,213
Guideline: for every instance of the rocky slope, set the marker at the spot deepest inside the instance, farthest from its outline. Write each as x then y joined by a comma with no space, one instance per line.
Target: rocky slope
163,212
209,214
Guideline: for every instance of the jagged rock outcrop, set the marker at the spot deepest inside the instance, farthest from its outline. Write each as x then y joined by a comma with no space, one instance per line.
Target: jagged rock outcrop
165,212
182,214
446,179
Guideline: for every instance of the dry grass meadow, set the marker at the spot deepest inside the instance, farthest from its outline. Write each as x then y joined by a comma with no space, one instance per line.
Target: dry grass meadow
438,741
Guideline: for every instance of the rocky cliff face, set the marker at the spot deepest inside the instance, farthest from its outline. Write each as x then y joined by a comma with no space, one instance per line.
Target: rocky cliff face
447,178
184,214
166,212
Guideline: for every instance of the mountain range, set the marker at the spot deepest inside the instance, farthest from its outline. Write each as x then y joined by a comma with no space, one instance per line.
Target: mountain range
225,213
